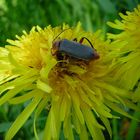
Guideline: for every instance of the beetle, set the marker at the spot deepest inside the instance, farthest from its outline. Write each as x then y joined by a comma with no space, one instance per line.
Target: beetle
74,50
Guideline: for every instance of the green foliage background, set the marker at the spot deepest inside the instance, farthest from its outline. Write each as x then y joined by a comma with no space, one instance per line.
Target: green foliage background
18,15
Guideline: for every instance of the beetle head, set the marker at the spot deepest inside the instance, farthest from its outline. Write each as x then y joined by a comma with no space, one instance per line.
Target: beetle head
55,47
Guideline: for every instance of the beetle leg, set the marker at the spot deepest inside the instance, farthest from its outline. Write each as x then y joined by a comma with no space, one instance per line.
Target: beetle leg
82,64
75,39
81,40
65,58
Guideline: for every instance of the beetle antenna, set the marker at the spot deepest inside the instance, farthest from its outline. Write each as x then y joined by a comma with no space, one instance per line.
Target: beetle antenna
81,40
60,34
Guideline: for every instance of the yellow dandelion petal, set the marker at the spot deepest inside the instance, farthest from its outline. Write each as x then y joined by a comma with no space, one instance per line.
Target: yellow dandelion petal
43,86
136,96
103,112
119,110
84,133
93,126
68,132
131,105
127,44
39,109
107,125
76,123
47,130
63,108
11,94
22,98
22,117
5,66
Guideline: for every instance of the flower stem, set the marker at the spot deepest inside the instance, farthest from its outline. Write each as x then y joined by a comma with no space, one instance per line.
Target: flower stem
133,126
115,129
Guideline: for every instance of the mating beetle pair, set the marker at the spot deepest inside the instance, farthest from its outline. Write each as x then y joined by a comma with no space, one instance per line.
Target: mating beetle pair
74,49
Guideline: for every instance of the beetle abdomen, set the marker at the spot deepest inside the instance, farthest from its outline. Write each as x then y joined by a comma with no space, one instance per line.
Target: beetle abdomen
76,50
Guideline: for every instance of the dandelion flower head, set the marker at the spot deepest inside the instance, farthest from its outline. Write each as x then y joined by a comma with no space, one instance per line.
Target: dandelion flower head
77,94
127,44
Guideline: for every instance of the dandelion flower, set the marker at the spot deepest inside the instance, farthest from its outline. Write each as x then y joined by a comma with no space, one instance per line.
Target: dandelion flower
78,95
127,46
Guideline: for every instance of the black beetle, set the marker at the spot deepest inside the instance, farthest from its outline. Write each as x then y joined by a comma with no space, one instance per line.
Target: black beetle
74,49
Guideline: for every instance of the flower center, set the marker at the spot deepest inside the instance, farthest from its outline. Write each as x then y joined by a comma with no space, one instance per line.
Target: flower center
70,66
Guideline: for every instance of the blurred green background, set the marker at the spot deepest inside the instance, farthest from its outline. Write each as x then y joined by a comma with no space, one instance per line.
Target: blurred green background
19,15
